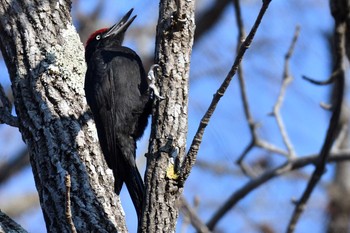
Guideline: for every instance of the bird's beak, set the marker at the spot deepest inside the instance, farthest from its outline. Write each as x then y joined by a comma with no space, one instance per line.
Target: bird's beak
121,26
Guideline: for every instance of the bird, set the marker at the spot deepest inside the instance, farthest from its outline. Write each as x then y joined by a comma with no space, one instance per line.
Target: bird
118,94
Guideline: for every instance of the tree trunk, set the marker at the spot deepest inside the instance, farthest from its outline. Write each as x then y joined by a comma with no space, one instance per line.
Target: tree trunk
44,57
169,129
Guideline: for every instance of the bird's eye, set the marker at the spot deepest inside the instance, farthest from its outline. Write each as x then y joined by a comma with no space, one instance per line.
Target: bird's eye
98,37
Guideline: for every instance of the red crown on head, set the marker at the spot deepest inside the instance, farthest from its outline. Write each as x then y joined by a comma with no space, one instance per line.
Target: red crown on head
93,35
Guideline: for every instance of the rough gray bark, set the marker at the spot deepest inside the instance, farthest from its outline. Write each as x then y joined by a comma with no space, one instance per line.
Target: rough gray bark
169,130
44,57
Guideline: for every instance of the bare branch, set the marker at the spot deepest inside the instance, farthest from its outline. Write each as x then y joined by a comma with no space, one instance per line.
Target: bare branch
268,175
193,217
245,168
270,147
192,153
5,110
332,128
321,83
287,79
242,87
256,141
6,103
253,126
327,107
8,225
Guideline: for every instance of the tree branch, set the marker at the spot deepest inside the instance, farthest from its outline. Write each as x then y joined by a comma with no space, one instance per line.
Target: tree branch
8,225
287,79
167,146
242,87
194,219
5,110
193,151
253,126
333,124
268,175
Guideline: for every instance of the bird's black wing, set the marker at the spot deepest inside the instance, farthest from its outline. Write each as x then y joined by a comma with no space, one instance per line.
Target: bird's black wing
115,81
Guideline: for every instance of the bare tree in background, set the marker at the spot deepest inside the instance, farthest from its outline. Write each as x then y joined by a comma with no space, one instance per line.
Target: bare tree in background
45,60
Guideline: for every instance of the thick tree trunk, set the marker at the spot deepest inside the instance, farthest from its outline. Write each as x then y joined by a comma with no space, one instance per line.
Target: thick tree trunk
169,130
45,60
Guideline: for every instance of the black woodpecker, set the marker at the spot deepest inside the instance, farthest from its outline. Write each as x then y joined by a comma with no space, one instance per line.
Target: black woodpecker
117,92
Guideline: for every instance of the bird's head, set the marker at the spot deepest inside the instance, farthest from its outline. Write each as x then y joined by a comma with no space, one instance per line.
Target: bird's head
108,37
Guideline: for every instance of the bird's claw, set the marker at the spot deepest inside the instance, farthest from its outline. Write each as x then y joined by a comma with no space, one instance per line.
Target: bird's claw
152,81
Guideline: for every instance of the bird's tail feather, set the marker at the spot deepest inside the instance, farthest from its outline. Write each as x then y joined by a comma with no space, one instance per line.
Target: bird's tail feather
136,189
128,172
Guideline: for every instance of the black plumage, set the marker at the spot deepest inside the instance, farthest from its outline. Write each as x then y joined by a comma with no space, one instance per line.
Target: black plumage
117,92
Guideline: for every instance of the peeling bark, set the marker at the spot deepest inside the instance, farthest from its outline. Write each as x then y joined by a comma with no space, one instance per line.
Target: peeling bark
44,57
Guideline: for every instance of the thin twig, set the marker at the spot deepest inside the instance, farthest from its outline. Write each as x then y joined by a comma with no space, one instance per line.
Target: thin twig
257,142
67,183
270,147
193,217
321,83
253,126
193,151
243,90
261,144
254,183
332,128
326,106
6,103
287,79
5,110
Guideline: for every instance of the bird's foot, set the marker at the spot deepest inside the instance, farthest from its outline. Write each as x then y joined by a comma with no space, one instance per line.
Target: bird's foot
152,81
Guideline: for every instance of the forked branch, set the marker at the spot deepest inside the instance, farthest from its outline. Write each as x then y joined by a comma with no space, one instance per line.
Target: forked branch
193,151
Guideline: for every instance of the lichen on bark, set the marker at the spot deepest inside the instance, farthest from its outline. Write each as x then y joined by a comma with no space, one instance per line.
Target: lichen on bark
45,60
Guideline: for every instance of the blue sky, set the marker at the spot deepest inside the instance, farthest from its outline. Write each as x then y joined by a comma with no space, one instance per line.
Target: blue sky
227,133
